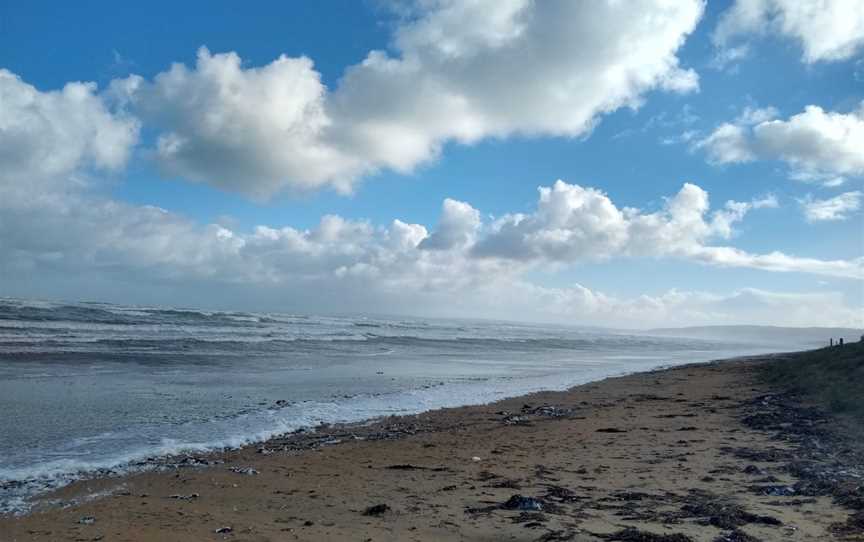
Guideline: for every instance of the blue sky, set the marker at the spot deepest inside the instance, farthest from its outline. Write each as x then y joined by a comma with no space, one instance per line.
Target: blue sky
637,151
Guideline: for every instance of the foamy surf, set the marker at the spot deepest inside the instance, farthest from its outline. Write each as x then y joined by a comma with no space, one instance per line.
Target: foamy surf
104,390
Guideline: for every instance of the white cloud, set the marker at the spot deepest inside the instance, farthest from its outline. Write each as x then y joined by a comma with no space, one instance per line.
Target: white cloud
46,135
836,208
457,71
724,256
575,224
57,224
757,115
818,145
816,140
243,129
456,229
78,231
571,223
53,230
354,265
465,266
727,144
729,56
830,30
723,220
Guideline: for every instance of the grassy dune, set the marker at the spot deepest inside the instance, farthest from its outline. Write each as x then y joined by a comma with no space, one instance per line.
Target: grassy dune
832,376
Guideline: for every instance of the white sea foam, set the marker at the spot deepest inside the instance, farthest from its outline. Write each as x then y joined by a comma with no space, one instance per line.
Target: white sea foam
46,474
101,389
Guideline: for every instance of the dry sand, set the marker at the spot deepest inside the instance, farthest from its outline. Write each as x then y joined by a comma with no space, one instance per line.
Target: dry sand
664,452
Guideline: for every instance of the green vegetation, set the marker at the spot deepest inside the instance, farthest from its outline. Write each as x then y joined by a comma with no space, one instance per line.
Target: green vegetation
832,376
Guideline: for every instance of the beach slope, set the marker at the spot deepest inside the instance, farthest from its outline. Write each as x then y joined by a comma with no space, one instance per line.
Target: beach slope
711,452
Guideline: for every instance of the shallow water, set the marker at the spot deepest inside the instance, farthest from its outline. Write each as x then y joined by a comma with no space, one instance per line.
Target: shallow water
94,386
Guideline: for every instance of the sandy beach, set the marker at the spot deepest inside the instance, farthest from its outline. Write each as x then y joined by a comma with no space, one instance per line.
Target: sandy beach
702,452
432,270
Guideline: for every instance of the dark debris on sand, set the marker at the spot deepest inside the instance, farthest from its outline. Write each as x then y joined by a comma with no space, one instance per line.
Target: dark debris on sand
376,510
520,503
838,474
822,461
631,534
854,526
736,535
530,413
710,510
529,518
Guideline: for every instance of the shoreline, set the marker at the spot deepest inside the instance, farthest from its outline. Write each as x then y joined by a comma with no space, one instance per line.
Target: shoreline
305,436
650,429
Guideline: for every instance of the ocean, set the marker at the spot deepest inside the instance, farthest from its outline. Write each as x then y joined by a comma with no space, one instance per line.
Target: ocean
95,388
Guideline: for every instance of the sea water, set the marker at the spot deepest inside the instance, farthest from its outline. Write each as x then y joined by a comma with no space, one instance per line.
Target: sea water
86,387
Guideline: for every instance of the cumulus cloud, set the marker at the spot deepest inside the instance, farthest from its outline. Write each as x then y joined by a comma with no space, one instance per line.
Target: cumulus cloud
56,229
456,229
244,129
818,145
465,266
574,224
49,135
80,231
826,31
727,144
571,223
831,209
353,265
65,225
456,72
